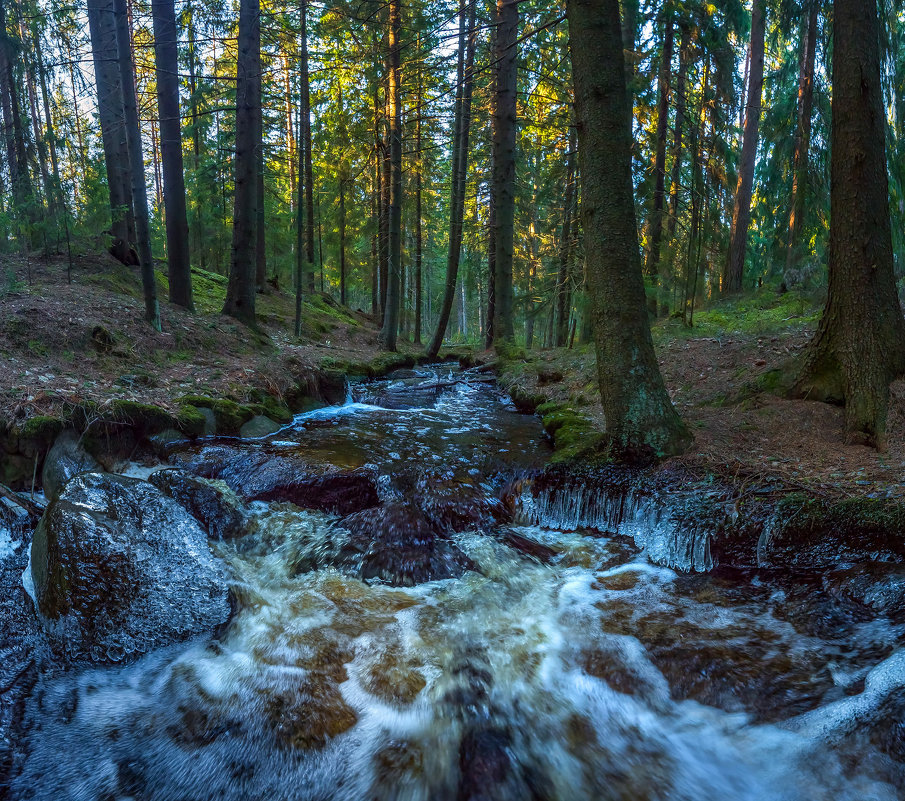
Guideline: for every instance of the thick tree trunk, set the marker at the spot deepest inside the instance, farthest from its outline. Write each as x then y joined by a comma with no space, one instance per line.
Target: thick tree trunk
655,230
136,162
113,135
491,264
741,213
639,415
461,131
504,142
14,132
563,281
860,342
342,238
802,138
197,226
240,292
390,329
261,238
167,60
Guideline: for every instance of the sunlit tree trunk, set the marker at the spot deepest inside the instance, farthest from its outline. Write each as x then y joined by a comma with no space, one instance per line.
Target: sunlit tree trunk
461,130
741,212
389,330
136,162
802,137
563,280
655,228
419,243
639,415
167,59
308,170
240,293
504,142
859,347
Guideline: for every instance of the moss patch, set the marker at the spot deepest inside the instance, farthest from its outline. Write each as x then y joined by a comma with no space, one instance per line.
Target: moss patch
231,416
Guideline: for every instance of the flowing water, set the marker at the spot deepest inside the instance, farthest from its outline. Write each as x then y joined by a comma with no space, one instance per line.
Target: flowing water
589,674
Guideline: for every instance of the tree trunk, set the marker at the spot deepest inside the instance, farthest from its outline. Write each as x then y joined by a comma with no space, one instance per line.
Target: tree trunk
419,234
390,327
504,142
113,135
563,293
656,217
802,138
240,292
261,238
136,162
741,213
51,136
639,415
305,112
860,342
491,264
675,180
167,60
461,130
14,133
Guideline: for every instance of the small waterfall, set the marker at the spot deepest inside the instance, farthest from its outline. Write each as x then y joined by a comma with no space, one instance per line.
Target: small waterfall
665,527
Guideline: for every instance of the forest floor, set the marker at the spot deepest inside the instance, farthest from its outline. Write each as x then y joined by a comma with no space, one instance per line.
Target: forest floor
725,376
62,344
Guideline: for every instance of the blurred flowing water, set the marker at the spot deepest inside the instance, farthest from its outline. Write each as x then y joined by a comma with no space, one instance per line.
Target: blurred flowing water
590,674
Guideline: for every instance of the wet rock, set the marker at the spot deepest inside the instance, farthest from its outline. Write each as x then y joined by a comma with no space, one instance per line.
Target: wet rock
879,587
310,715
260,475
120,569
165,439
484,763
259,426
451,505
394,543
218,510
529,547
65,459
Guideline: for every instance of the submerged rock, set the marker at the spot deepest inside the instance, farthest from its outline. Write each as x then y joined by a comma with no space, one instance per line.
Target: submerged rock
120,569
262,476
219,511
453,505
65,459
394,543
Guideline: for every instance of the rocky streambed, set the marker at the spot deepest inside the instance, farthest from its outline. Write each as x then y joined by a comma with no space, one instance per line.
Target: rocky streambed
392,598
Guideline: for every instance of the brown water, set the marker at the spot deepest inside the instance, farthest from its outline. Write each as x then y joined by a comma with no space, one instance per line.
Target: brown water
597,676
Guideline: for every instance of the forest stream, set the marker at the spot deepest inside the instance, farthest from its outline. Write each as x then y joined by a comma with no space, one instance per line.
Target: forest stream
546,662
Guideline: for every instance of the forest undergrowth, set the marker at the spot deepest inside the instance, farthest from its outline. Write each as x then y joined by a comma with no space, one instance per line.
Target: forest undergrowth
62,344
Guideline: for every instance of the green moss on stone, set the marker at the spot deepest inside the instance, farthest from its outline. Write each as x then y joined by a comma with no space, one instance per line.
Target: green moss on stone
189,420
231,416
144,417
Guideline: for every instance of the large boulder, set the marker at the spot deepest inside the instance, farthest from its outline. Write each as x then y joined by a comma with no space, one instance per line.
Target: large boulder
67,458
396,544
262,475
217,508
120,569
454,505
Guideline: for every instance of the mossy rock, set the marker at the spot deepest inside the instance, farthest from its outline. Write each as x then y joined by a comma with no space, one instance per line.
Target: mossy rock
146,418
190,420
575,437
231,416
387,362
35,436
276,409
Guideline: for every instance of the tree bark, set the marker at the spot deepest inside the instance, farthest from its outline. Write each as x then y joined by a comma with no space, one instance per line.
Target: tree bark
675,180
563,293
305,111
419,234
859,347
136,163
802,137
504,144
14,133
240,292
741,213
113,135
461,131
167,60
656,217
390,329
639,414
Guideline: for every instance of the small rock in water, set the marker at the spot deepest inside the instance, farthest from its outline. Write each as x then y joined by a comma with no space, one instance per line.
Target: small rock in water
394,543
259,426
216,508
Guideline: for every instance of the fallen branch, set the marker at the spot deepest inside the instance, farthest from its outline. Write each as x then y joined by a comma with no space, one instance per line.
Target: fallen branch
34,510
